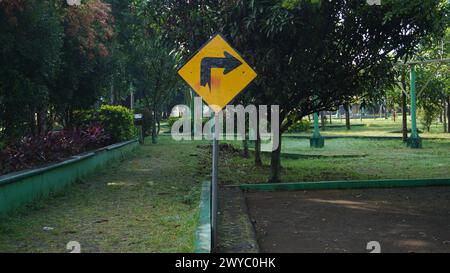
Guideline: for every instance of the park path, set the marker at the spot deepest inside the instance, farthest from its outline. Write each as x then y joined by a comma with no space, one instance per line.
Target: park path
145,203
339,221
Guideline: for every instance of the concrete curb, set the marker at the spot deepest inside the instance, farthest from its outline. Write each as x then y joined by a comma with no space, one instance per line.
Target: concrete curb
358,184
203,232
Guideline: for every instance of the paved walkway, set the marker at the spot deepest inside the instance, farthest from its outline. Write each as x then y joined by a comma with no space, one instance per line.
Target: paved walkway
401,220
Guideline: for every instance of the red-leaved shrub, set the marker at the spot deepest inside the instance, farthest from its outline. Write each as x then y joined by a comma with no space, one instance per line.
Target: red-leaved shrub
53,147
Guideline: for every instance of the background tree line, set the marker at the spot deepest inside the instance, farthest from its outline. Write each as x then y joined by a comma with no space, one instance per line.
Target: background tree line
58,59
54,60
310,55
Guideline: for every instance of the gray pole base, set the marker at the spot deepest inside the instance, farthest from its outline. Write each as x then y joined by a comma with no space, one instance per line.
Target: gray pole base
414,142
317,142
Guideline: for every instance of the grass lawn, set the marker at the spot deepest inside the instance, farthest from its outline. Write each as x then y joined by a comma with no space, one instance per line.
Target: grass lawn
370,159
379,127
146,203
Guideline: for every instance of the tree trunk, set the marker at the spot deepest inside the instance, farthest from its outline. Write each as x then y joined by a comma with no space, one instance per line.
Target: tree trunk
444,118
275,163
347,116
51,118
68,119
112,94
245,152
331,121
258,161
448,114
154,135
404,111
361,114
33,123
322,121
147,120
42,121
158,122
131,99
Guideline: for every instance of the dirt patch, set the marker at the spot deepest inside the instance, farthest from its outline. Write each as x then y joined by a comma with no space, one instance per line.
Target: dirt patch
401,220
225,149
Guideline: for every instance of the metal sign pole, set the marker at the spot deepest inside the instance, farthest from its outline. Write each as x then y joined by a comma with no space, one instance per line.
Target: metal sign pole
197,74
215,174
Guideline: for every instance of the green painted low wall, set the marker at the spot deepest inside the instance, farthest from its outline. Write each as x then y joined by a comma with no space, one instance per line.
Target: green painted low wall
360,137
346,136
203,232
330,185
331,125
19,188
300,156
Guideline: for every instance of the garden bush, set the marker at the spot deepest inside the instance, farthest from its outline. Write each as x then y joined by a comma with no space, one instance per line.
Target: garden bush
118,122
428,114
300,126
54,146
92,129
85,118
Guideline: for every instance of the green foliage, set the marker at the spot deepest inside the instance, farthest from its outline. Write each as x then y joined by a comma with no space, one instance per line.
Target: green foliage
118,122
85,70
52,62
428,114
85,118
393,97
30,38
171,121
300,126
312,57
432,92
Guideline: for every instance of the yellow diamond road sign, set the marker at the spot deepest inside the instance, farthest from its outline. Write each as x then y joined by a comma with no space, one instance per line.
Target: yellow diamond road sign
217,73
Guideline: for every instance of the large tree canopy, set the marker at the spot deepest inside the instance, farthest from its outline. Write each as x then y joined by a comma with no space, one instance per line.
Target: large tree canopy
316,55
30,38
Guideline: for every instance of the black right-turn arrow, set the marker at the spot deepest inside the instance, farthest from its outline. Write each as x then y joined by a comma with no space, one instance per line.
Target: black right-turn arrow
229,63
